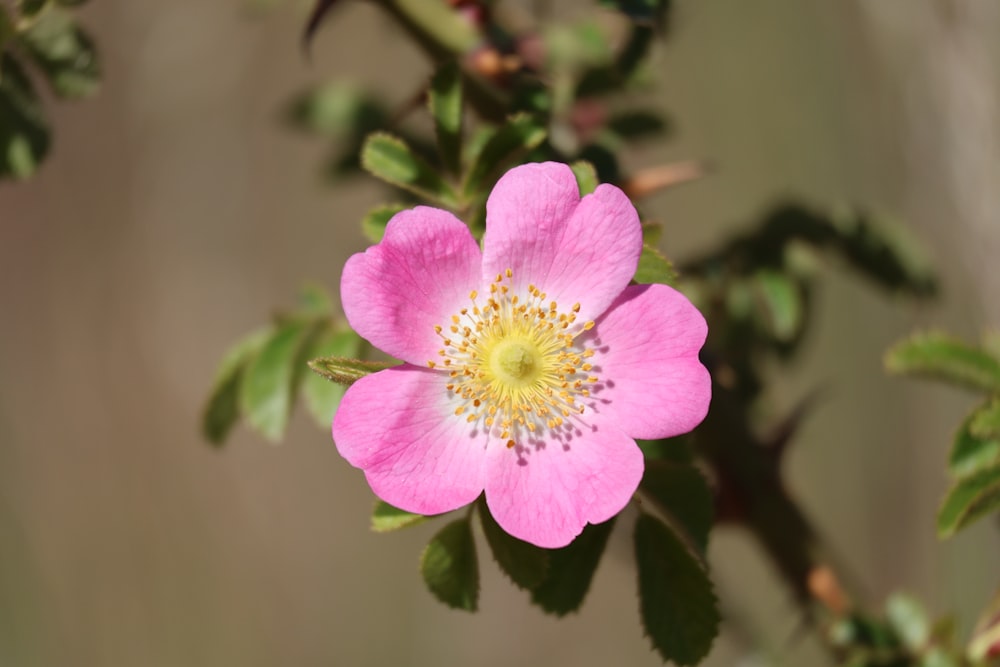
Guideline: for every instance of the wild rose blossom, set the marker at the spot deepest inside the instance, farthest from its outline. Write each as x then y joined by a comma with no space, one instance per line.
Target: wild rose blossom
531,366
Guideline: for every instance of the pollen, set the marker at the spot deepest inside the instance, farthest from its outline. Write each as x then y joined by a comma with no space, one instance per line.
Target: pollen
516,361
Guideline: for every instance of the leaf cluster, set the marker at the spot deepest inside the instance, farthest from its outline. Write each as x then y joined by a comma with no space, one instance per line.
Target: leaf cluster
39,39
264,373
974,461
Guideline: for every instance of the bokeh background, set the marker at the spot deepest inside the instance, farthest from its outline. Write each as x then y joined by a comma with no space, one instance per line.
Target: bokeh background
176,213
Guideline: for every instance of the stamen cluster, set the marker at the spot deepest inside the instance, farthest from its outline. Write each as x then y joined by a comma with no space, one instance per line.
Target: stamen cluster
514,361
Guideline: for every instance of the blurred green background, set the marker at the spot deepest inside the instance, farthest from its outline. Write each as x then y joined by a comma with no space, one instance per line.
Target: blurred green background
176,213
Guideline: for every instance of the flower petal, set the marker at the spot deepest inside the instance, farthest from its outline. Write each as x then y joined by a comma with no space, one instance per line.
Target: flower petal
545,493
418,277
576,251
397,425
652,383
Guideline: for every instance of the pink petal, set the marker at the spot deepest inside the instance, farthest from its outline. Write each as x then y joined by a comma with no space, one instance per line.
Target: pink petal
546,493
576,251
652,384
397,425
418,277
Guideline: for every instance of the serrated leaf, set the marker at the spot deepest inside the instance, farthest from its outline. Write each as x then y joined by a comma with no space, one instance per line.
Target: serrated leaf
909,619
654,268
374,223
986,420
391,159
942,357
24,131
386,518
322,396
652,232
571,569
525,564
65,54
222,410
269,385
971,498
445,101
682,493
586,176
450,568
346,371
970,452
518,135
781,303
678,607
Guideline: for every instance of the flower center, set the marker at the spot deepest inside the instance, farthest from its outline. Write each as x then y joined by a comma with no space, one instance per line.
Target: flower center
514,361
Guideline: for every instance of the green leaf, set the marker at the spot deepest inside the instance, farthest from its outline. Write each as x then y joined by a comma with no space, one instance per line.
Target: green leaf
322,396
386,518
571,569
390,159
65,53
637,125
986,420
942,357
525,564
971,498
676,601
673,450
971,452
586,176
654,268
681,492
336,110
909,619
781,304
270,380
223,407
24,132
373,224
314,301
518,135
346,371
445,102
449,566
652,232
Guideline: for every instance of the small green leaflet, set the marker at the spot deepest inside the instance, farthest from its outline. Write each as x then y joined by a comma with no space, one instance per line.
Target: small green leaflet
971,452
222,410
386,518
321,395
943,357
445,102
971,498
450,568
571,569
346,371
270,382
525,564
390,159
676,601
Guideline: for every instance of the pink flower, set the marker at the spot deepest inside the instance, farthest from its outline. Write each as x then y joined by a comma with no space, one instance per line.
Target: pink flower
531,365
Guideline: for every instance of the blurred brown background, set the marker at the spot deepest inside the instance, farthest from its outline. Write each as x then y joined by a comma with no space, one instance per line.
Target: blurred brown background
175,213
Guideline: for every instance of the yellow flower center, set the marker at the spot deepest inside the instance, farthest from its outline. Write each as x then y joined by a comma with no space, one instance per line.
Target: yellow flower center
514,361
